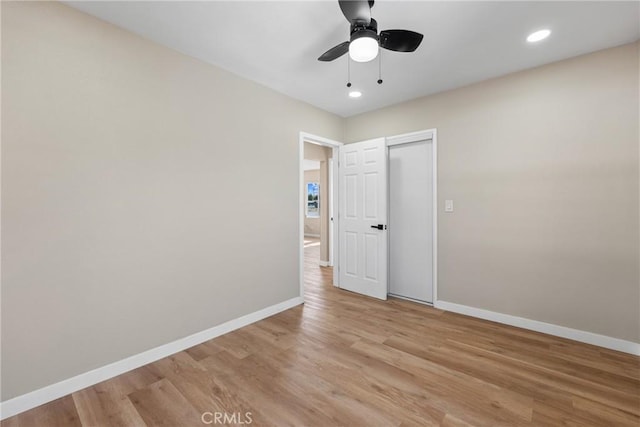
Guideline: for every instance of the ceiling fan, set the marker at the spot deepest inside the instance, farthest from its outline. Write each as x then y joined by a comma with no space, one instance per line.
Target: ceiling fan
365,42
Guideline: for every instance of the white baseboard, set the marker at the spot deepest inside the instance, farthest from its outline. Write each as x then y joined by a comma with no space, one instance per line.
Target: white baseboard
324,263
546,328
51,392
311,235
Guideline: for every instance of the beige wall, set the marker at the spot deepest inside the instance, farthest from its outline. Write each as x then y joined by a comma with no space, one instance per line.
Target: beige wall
543,168
316,152
132,180
311,224
324,209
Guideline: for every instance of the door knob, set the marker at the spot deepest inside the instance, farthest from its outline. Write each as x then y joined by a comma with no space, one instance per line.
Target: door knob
379,226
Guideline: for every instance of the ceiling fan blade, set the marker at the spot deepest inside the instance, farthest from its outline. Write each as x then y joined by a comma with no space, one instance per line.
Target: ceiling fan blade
357,12
335,52
400,40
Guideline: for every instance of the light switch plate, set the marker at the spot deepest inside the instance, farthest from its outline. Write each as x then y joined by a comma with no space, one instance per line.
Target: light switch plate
448,205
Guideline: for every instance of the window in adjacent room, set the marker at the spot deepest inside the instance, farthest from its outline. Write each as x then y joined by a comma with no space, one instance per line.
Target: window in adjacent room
313,200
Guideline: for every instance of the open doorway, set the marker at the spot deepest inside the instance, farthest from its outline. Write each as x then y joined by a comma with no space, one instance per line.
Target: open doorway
317,221
316,191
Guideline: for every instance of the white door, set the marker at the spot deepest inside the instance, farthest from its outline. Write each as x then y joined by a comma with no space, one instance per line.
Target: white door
411,220
363,218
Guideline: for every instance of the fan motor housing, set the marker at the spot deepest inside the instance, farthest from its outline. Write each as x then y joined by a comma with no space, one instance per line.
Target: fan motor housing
370,30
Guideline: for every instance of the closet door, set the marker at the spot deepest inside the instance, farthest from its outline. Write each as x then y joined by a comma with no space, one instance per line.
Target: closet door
410,220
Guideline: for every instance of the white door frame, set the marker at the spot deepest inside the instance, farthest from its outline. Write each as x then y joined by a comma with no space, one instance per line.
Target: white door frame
429,134
333,227
331,171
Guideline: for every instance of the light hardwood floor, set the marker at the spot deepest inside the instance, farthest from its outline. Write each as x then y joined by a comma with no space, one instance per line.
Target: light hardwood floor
346,360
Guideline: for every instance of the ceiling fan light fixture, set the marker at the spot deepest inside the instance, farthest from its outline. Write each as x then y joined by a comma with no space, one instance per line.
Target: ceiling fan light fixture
363,46
364,43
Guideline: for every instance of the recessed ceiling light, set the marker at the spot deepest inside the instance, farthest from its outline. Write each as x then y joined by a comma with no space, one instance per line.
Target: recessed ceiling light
538,36
355,94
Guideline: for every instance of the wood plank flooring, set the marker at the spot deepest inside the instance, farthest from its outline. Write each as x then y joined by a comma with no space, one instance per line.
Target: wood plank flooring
346,360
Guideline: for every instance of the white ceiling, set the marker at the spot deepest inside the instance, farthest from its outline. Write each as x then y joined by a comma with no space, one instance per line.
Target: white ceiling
277,43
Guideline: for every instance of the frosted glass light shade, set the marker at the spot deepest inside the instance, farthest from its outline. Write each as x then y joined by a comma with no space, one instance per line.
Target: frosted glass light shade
363,49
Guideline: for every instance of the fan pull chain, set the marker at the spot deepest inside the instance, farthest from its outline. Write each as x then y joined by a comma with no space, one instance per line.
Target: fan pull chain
348,71
380,67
